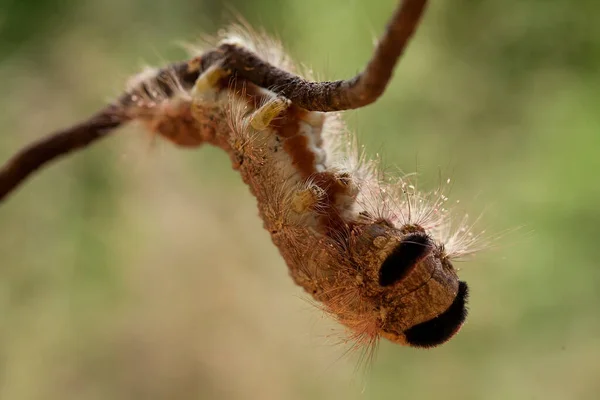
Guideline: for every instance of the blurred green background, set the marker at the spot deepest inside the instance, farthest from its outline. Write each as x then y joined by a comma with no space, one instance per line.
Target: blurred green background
141,271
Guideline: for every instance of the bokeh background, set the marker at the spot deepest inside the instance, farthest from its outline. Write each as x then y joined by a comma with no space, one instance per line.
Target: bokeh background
135,270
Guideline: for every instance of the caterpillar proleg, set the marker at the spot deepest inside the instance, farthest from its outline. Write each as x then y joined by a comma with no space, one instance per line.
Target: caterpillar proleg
374,251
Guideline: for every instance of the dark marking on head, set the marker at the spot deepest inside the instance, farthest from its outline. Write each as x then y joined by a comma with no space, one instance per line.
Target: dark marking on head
413,248
441,328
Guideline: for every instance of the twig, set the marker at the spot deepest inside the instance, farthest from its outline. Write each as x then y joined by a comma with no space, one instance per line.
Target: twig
76,137
356,92
55,145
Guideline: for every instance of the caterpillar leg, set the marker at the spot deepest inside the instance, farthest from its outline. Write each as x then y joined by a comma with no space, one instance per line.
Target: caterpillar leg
307,199
261,118
206,87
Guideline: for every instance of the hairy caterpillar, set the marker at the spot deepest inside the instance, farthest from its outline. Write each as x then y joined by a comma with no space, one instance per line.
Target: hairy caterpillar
375,255
375,252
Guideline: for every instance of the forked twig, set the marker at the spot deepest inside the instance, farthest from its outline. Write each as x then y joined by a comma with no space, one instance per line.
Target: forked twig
356,92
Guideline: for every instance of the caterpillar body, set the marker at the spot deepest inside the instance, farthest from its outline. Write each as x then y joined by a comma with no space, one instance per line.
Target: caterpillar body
376,253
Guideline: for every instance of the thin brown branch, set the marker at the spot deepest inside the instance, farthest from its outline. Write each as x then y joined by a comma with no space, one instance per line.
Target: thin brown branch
356,92
55,145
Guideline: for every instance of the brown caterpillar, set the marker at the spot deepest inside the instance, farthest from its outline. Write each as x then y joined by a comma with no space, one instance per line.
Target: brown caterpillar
374,252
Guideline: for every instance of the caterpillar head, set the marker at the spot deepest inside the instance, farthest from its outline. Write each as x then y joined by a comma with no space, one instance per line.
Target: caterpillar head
410,283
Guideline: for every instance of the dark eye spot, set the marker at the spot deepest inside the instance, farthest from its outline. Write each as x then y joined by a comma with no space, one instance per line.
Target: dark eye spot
441,328
403,259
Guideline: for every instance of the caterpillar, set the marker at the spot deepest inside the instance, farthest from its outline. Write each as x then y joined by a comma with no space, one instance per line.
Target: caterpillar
374,255
372,250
